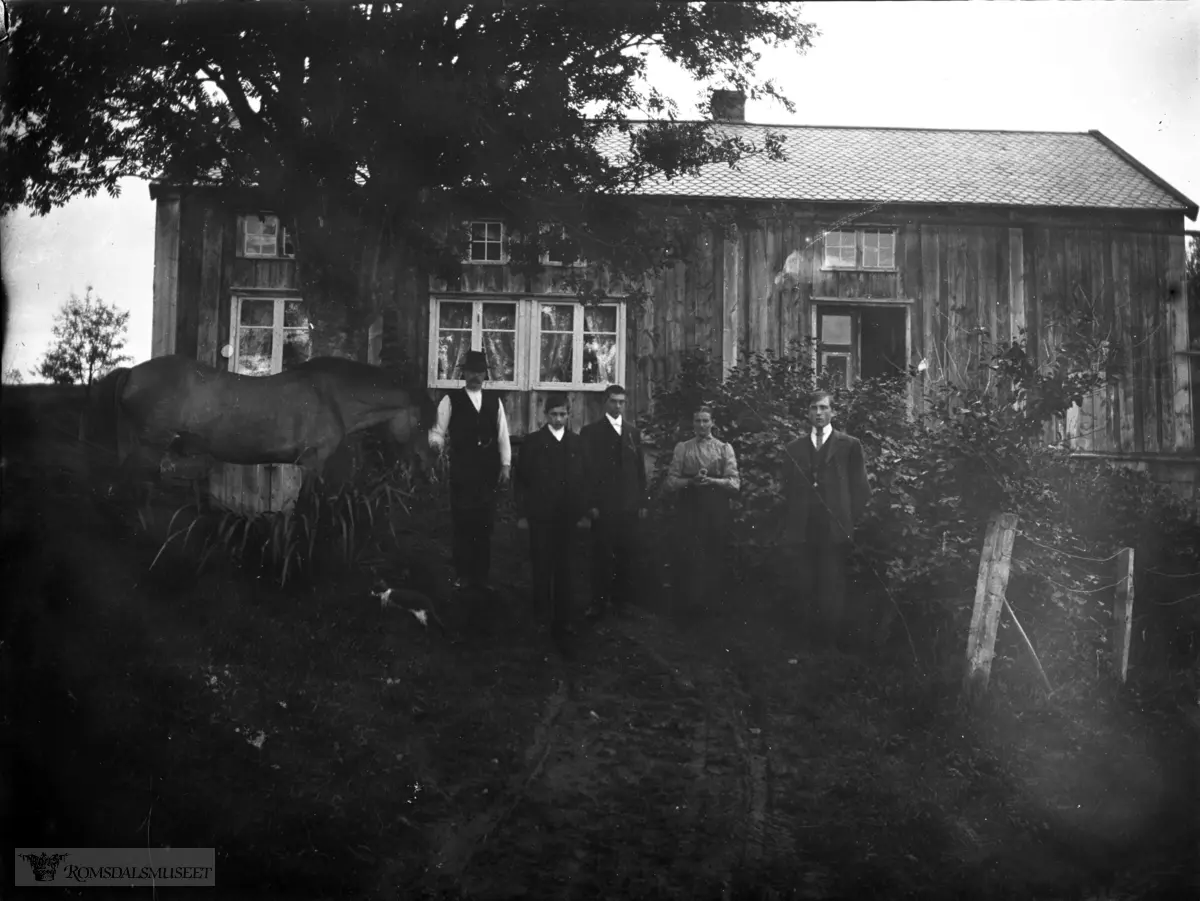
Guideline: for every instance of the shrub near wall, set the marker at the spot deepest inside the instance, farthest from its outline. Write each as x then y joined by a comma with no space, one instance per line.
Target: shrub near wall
936,478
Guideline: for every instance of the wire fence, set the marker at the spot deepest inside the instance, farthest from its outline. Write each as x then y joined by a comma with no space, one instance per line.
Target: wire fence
1093,599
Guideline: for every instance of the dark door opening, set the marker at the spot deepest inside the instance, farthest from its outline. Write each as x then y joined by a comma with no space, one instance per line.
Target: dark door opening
883,350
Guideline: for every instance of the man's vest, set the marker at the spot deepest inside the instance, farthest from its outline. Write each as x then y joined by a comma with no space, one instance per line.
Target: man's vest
474,441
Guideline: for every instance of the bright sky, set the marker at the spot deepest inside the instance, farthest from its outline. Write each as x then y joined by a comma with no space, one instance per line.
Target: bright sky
1129,70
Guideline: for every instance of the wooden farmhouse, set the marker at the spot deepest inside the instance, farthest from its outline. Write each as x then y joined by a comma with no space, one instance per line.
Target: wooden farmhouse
890,246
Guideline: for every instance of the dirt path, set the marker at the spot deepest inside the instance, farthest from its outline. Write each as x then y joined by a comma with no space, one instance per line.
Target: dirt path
327,746
643,777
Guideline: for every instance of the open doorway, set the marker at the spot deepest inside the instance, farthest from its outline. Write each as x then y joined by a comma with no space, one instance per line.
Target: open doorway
861,341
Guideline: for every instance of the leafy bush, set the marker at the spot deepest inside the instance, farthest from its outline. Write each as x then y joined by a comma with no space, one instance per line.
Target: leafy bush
940,462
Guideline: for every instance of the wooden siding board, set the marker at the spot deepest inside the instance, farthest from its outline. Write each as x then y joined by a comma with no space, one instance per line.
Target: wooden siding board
208,337
225,298
166,275
1122,255
1074,280
1164,343
1112,429
187,308
1017,284
957,303
758,294
908,281
1146,403
1181,381
930,303
703,295
1001,261
731,279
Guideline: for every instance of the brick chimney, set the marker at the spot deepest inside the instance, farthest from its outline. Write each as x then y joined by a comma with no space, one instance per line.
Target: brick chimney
728,106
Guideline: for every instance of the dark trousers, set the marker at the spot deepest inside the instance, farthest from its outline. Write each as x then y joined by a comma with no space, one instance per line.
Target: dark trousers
550,553
614,552
473,543
698,563
822,590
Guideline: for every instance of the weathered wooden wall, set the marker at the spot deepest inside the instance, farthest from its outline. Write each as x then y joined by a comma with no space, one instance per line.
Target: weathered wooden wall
964,275
964,283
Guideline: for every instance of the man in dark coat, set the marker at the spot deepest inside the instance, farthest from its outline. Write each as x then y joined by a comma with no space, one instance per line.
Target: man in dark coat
825,492
616,477
550,499
474,423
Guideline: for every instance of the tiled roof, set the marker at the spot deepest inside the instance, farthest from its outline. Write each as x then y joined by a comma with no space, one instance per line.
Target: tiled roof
1067,169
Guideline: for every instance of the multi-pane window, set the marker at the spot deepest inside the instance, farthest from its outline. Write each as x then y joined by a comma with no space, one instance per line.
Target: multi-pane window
270,335
841,249
487,242
835,341
862,248
878,248
263,235
530,343
464,325
577,345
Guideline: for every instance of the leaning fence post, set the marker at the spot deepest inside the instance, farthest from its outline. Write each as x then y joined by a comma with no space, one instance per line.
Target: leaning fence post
994,565
1123,613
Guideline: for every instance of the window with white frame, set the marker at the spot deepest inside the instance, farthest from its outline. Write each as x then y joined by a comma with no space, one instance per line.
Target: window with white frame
269,335
465,325
860,248
487,242
263,235
577,347
530,343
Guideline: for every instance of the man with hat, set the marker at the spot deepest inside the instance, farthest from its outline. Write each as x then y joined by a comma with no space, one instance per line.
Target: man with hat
480,458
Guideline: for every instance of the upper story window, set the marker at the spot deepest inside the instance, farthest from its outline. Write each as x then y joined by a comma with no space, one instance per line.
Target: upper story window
555,238
264,235
861,248
487,241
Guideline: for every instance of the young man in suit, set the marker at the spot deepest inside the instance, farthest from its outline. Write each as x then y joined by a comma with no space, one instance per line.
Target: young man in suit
616,478
549,488
826,492
472,421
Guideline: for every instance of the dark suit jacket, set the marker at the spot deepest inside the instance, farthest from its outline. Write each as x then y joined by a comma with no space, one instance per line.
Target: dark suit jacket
543,492
841,481
614,487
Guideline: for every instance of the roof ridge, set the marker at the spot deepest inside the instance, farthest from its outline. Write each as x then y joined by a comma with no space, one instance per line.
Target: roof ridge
1006,131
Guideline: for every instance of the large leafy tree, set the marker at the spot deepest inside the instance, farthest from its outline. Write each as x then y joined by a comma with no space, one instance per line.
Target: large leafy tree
364,123
89,336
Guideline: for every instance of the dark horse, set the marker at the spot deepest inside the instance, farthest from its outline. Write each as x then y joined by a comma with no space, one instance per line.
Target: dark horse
176,407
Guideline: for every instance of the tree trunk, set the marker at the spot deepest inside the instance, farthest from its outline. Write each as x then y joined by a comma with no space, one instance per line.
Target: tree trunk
341,255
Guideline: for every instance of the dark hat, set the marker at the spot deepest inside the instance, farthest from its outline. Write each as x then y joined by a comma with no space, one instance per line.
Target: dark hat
475,361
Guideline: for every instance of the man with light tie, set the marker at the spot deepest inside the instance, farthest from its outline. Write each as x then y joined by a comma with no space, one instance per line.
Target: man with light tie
826,492
480,459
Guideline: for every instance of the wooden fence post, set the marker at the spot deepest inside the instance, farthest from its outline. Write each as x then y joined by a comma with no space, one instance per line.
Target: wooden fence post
1123,613
994,564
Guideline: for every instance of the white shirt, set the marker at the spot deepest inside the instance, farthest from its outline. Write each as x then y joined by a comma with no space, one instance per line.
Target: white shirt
616,423
437,435
825,433
557,433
